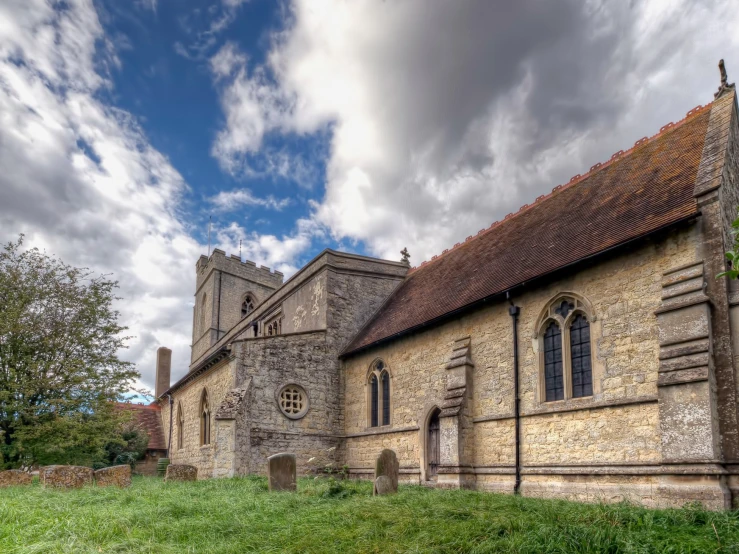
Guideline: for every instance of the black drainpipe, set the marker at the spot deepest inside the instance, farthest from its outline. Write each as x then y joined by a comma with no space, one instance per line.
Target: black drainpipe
514,311
218,317
169,443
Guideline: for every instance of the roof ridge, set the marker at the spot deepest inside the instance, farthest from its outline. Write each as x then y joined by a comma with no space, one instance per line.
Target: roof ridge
573,181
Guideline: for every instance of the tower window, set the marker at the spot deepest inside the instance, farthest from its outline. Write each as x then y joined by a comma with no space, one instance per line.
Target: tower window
247,306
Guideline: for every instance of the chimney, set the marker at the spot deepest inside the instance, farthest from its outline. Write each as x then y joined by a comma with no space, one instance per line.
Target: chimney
164,366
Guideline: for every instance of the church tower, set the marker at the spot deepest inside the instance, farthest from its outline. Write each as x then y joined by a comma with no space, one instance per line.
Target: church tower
227,290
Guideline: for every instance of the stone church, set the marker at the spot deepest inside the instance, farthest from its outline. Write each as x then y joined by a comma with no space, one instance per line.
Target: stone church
580,348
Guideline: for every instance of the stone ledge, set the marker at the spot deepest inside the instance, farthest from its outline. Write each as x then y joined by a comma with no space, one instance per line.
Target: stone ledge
681,376
381,431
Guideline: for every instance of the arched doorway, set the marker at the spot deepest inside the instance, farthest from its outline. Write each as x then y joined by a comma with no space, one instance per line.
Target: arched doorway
433,442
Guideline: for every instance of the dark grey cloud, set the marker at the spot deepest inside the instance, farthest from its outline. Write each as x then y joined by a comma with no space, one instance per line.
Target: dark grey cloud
448,115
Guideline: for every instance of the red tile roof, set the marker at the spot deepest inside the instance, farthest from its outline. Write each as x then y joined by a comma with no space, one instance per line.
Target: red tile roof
149,418
635,193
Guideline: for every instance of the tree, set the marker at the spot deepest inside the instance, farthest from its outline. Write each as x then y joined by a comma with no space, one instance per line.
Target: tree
59,370
130,448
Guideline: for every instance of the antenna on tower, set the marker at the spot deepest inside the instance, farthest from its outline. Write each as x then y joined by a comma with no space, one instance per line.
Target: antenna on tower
239,248
210,221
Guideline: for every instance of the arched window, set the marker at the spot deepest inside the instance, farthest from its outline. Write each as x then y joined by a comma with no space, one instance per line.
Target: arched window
247,306
379,394
553,375
204,419
582,372
565,343
180,427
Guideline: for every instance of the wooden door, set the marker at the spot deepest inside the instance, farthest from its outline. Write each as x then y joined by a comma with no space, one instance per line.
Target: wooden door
433,444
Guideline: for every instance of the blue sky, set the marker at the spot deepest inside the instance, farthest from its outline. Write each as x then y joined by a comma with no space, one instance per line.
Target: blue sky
297,125
165,74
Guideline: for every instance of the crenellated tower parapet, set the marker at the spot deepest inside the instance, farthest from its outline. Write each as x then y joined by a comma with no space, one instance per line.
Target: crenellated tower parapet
227,289
233,264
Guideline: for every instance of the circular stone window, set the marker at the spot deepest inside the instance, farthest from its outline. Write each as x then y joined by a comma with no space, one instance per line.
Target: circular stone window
293,401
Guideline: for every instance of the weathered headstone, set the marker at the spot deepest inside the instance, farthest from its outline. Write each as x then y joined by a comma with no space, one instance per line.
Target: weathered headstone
181,472
66,477
13,477
281,471
116,476
386,473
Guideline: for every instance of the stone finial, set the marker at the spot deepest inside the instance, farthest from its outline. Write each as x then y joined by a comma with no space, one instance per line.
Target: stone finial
406,259
725,85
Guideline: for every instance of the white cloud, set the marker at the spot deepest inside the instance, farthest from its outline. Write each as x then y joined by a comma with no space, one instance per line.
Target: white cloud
227,60
81,180
446,116
278,253
227,201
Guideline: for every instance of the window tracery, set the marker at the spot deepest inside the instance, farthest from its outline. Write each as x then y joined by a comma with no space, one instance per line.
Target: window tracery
293,401
247,306
378,397
563,330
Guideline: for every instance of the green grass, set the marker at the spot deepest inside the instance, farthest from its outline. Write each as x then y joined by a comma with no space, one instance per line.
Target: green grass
239,515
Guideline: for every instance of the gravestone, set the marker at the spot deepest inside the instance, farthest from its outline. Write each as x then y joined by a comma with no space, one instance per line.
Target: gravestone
116,476
13,477
281,470
65,477
181,472
386,473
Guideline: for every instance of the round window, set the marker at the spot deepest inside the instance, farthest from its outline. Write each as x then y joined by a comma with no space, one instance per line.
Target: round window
293,401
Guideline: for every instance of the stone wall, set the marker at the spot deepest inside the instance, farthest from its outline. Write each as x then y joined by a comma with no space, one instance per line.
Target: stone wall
217,381
273,362
619,424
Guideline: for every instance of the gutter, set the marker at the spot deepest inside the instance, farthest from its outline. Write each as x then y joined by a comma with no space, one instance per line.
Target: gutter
169,442
514,311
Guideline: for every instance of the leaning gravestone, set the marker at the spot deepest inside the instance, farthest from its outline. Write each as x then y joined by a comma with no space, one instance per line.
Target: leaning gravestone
386,473
13,477
65,477
116,476
181,472
281,470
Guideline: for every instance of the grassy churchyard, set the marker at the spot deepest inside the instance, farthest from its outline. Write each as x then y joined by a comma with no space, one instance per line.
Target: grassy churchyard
239,515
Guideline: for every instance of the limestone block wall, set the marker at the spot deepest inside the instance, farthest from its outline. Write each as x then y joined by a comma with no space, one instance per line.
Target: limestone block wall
618,424
217,381
273,362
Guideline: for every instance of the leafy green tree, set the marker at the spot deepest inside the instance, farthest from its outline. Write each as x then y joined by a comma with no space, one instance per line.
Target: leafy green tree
59,370
130,447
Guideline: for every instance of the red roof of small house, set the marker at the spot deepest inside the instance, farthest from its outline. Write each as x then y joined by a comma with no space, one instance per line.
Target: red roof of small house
149,418
635,193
